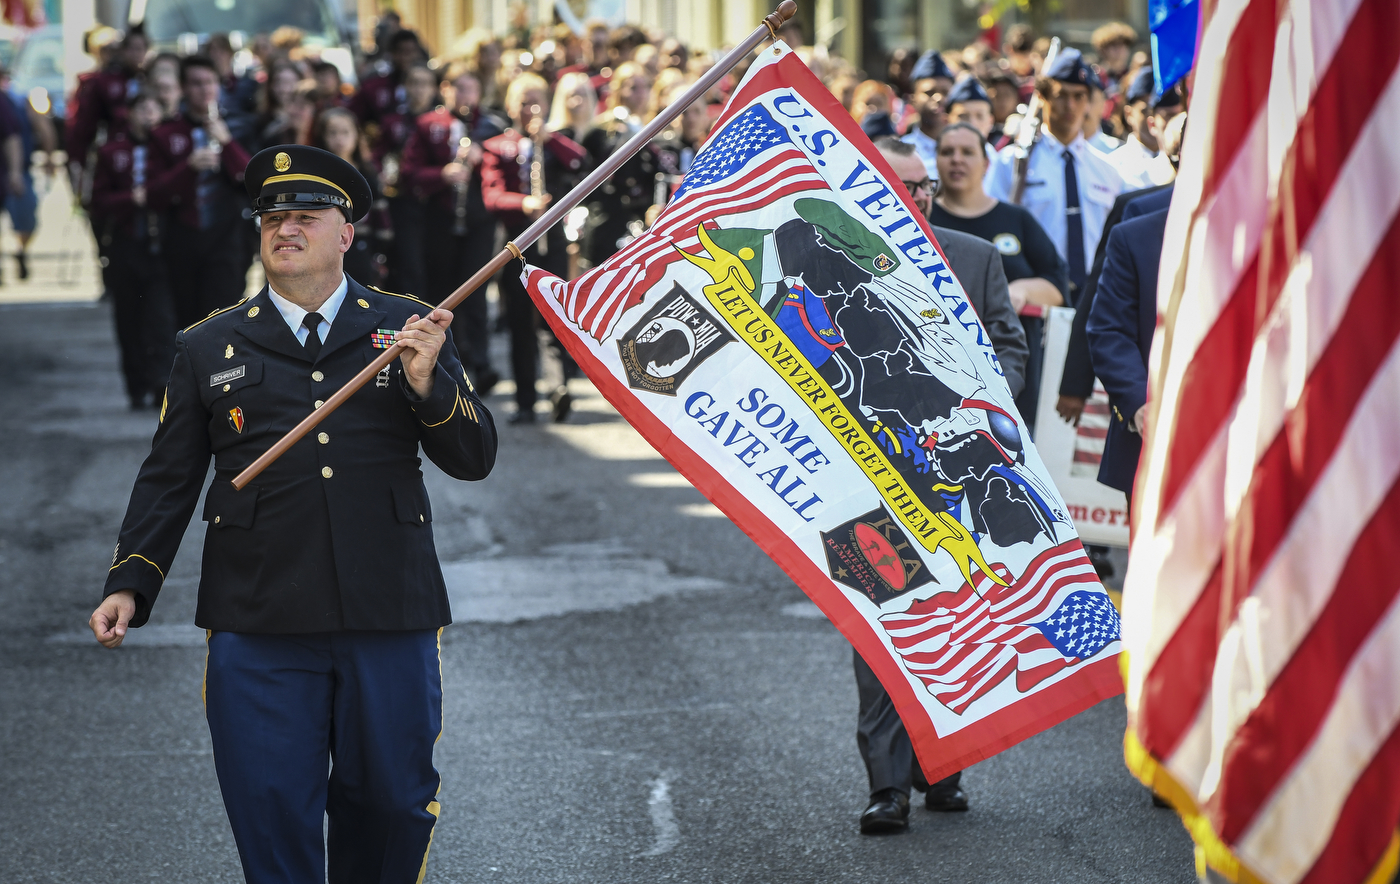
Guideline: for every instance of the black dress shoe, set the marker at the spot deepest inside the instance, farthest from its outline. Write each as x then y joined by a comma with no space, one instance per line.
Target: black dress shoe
945,800
888,812
561,403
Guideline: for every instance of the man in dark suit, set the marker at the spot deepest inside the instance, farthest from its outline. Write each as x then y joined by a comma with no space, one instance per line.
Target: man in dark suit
1121,325
320,585
884,744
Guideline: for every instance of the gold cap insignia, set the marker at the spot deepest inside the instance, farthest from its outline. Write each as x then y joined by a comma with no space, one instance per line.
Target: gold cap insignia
363,303
282,162
252,311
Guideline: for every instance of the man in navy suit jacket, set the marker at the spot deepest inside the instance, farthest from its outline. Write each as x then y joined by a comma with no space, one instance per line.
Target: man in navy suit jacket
1121,323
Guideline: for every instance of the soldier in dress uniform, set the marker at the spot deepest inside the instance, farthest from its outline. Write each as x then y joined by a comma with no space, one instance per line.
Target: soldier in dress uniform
441,173
197,179
133,269
320,587
509,188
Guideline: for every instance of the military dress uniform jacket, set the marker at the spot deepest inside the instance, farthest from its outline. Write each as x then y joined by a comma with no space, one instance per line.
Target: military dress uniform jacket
337,533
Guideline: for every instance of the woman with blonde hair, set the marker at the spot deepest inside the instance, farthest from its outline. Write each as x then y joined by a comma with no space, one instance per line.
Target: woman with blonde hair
575,100
617,210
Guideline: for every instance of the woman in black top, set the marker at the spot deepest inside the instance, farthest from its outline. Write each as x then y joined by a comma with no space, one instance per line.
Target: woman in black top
617,209
1036,274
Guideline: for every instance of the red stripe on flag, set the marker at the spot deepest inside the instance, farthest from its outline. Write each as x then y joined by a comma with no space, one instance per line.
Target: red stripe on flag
1248,59
1366,824
1211,384
1341,105
1180,677
1271,740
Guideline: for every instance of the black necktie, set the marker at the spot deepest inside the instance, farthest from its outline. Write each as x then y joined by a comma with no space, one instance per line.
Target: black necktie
1074,228
313,336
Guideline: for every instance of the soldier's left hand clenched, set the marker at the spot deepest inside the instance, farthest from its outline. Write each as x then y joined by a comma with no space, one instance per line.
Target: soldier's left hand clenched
422,339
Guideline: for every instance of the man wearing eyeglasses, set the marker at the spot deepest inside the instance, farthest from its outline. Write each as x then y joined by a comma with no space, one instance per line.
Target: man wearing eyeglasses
880,735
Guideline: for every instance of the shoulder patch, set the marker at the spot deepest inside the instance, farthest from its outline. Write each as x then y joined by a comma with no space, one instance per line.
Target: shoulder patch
405,297
215,313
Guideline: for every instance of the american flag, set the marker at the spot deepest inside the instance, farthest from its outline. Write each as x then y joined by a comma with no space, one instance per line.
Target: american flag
748,163
963,644
1262,601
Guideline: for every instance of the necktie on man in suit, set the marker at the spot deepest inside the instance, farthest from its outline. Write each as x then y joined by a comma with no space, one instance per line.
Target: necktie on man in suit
1074,228
312,322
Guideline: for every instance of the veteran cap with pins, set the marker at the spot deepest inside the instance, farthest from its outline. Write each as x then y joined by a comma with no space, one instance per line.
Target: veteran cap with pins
293,176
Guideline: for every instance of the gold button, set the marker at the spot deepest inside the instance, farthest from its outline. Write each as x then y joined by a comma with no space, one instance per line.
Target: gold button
320,402
323,438
363,303
252,311
216,519
227,388
317,376
327,472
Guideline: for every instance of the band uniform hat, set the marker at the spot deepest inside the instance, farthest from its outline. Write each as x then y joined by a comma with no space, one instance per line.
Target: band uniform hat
965,90
1070,67
293,176
929,66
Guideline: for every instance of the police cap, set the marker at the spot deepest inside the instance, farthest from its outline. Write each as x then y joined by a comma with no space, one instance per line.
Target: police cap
1070,67
965,90
292,176
929,66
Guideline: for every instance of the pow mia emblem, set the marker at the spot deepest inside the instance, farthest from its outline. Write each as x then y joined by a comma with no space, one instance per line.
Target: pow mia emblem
871,554
669,342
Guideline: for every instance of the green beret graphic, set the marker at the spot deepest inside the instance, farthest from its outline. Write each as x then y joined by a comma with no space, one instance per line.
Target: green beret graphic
841,231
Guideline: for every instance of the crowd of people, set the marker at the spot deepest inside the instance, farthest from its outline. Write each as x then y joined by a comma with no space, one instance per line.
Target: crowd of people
477,141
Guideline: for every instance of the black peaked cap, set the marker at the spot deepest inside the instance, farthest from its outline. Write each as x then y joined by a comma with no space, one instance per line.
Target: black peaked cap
293,176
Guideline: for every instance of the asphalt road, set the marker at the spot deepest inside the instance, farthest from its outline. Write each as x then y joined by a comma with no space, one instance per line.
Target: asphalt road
634,692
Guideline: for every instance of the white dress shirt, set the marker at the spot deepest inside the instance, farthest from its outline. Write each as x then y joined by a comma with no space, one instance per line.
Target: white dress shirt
294,314
1044,197
1104,143
1133,161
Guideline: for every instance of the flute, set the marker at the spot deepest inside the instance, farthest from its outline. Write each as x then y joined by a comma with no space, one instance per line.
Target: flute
460,189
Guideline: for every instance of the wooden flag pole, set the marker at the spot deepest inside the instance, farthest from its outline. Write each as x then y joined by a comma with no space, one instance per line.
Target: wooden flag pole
516,248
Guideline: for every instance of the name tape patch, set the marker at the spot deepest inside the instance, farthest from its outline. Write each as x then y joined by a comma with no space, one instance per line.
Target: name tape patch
223,377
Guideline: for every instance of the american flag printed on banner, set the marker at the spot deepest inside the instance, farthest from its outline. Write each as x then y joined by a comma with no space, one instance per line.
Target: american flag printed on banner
747,162
1262,599
964,644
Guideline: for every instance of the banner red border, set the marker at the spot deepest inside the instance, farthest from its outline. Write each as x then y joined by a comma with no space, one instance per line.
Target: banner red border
939,756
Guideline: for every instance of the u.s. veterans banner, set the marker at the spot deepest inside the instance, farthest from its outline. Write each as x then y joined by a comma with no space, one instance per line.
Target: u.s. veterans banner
788,335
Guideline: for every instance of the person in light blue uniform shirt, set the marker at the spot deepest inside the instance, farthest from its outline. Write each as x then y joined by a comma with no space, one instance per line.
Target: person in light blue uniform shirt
1070,187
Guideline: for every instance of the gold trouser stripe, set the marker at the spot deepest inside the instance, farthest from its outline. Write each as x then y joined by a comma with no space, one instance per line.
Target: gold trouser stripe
204,685
434,807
